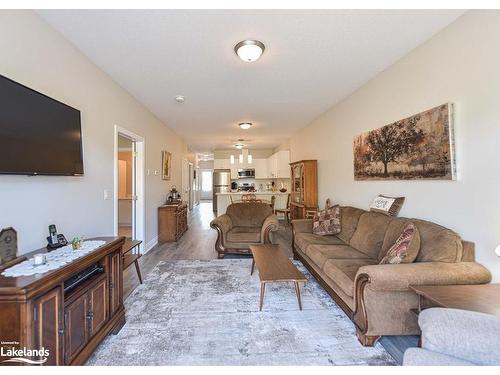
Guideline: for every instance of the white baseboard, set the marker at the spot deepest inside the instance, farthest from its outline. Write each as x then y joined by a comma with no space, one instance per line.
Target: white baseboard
150,244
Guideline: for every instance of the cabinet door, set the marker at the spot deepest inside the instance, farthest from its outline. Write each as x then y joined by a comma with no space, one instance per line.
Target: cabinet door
98,306
260,166
115,282
222,164
47,316
76,316
234,171
271,166
283,164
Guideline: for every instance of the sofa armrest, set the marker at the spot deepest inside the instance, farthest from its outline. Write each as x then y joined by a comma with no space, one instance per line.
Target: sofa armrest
271,224
302,225
223,222
468,335
398,277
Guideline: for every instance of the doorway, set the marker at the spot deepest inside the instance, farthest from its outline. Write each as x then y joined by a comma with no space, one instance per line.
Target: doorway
129,185
206,184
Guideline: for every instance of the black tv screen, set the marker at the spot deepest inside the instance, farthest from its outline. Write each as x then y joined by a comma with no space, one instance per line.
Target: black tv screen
38,135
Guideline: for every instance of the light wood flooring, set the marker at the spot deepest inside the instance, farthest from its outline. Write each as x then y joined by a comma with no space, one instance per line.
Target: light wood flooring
198,243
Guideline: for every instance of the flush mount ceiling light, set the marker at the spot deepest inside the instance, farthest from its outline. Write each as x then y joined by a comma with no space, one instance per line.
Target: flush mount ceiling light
245,125
239,144
180,99
249,50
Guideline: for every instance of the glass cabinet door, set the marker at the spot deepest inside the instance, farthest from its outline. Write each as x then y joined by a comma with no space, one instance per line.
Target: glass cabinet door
297,183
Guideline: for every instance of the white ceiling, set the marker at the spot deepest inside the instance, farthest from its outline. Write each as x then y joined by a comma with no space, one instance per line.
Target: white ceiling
313,59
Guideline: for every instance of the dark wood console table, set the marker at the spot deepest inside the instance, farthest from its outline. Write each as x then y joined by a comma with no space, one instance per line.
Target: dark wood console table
483,298
35,311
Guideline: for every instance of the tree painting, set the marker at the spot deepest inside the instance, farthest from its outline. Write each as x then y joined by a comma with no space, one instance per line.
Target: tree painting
418,147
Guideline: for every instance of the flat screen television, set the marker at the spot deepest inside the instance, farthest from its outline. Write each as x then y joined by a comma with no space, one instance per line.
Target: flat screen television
38,135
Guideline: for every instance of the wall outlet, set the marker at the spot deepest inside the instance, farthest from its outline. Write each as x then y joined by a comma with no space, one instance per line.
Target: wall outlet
105,194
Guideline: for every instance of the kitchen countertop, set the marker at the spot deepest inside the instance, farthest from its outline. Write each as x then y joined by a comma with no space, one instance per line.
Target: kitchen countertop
256,193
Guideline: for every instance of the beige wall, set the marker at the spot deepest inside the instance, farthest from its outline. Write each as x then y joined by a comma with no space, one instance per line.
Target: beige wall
461,65
36,55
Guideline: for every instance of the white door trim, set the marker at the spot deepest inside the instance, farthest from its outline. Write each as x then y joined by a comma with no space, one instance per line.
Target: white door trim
140,219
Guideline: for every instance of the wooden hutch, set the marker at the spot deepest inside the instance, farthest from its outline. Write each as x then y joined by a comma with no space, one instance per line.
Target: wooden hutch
304,192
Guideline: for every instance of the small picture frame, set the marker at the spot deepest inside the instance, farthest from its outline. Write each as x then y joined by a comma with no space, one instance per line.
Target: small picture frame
166,163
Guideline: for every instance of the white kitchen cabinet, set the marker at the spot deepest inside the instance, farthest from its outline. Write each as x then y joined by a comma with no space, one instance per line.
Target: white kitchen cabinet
260,166
272,167
234,171
278,165
283,164
222,164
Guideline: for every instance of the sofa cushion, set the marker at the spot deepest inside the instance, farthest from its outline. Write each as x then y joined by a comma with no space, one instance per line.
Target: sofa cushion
349,217
303,240
405,248
244,234
343,272
248,214
319,254
437,243
370,232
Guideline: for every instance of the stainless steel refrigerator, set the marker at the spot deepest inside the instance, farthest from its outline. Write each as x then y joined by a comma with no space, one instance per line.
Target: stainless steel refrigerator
221,184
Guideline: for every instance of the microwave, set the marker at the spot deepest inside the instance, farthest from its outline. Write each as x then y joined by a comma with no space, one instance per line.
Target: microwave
246,173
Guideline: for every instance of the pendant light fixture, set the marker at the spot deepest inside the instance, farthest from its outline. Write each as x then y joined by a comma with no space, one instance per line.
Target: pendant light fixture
249,50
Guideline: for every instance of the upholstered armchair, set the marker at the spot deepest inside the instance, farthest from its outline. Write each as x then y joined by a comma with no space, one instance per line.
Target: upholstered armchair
242,225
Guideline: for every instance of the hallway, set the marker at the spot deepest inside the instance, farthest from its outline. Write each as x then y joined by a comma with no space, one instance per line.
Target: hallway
197,243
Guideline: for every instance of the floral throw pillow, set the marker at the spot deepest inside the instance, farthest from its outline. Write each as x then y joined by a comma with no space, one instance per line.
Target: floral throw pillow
406,247
327,221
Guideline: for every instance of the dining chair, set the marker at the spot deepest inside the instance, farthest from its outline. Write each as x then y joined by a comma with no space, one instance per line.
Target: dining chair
284,211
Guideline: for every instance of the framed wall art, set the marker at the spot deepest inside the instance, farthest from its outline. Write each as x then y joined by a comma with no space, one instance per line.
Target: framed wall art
166,162
418,147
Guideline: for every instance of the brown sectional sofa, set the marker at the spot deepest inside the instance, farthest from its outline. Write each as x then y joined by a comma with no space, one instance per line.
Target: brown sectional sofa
376,297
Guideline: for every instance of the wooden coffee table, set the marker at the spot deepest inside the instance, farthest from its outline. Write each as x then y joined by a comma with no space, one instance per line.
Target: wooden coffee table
275,267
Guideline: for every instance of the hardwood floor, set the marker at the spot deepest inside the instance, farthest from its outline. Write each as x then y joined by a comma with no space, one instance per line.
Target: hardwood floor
198,243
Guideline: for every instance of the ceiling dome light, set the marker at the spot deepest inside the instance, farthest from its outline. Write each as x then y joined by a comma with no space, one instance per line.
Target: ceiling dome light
245,125
249,50
180,99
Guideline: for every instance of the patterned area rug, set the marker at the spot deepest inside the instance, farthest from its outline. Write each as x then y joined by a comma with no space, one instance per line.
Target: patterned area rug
207,313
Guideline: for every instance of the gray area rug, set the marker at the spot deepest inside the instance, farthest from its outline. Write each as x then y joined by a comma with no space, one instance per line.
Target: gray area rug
207,313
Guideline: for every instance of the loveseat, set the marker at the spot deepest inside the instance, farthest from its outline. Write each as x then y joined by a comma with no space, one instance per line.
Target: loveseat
242,225
377,296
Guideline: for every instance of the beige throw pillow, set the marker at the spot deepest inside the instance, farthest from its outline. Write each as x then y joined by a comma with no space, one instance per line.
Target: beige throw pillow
406,247
387,205
327,222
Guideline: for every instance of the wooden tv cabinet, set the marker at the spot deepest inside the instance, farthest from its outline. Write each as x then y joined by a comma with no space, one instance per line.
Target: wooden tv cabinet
35,311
